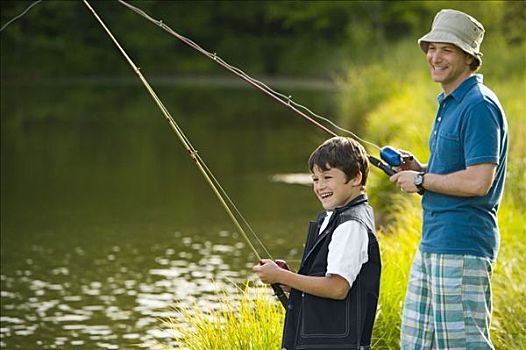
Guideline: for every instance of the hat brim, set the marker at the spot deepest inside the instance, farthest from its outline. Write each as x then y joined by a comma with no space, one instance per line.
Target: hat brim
438,36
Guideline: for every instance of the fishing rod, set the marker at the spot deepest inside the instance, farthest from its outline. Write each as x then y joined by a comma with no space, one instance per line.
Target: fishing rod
220,193
392,157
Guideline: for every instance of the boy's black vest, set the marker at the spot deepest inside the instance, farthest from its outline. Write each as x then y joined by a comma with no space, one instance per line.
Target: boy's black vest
320,323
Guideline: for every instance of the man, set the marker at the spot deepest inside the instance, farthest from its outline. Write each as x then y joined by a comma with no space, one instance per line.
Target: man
448,299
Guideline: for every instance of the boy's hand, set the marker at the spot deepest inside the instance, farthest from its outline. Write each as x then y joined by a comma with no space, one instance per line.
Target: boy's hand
283,264
267,271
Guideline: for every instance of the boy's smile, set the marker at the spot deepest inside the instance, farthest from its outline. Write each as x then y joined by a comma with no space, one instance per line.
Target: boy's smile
332,187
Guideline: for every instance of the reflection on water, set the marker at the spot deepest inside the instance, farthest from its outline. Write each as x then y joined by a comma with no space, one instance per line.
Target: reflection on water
119,302
300,178
105,223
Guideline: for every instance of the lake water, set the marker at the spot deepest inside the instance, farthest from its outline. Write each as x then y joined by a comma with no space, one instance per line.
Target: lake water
106,224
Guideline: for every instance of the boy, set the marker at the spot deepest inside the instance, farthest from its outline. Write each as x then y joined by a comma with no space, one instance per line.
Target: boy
334,295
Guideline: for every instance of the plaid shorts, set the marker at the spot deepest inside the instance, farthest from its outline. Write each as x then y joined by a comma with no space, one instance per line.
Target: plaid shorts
448,303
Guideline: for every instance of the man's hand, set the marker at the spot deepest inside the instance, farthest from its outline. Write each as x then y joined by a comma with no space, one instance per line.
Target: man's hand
405,179
409,162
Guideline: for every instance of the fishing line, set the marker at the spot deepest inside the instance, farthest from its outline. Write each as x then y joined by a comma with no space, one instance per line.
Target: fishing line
283,99
20,15
205,171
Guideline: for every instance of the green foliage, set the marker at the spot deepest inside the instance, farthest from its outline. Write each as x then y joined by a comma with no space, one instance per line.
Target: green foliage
62,38
364,88
513,21
511,92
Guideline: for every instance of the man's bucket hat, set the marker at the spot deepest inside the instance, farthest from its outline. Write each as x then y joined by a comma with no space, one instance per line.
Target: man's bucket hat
457,28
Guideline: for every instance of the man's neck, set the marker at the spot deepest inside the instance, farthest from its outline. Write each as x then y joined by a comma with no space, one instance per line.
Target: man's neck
449,88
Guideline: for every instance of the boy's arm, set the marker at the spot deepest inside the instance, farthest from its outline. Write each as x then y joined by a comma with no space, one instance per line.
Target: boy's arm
333,287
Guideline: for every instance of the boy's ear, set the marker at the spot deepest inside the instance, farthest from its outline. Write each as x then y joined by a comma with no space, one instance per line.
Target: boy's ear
357,180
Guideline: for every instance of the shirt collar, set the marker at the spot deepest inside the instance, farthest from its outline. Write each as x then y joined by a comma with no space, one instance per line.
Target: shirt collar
361,198
463,88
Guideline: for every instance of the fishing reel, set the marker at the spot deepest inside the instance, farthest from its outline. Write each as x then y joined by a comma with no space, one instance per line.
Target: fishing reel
392,157
282,264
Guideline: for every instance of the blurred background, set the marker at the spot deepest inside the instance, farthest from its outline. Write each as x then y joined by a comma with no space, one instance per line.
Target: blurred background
106,224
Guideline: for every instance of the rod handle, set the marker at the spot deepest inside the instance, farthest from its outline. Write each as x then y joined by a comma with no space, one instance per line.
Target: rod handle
278,291
379,164
280,294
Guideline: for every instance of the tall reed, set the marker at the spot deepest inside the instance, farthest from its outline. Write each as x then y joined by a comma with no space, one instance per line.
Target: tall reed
249,319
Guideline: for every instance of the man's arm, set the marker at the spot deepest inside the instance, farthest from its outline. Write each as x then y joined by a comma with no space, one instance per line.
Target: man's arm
474,181
333,287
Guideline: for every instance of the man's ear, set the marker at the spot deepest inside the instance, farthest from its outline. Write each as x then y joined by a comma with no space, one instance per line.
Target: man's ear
469,59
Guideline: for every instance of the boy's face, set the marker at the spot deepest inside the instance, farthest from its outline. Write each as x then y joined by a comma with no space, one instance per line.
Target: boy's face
332,187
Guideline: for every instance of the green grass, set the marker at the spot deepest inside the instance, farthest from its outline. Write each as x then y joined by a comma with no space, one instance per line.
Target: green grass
509,280
247,320
398,245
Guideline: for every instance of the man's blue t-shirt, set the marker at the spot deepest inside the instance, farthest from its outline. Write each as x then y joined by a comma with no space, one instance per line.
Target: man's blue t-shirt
470,128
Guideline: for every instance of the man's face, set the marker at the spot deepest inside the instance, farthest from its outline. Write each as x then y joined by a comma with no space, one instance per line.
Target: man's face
449,65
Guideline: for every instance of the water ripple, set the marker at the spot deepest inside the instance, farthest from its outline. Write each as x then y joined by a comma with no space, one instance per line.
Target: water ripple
113,304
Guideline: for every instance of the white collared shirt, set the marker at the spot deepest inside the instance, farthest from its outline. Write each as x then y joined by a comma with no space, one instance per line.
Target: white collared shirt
347,249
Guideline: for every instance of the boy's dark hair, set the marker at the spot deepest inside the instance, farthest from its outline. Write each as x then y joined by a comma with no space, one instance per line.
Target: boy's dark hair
342,153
